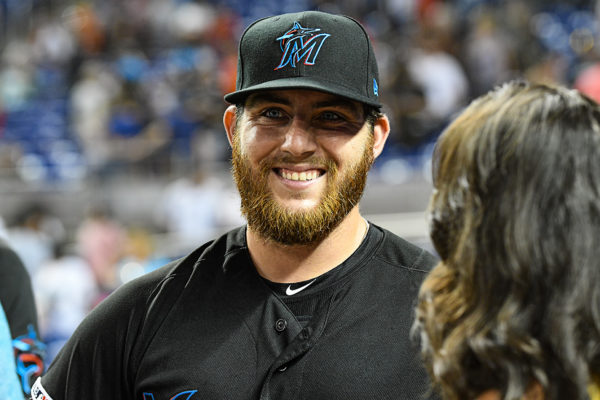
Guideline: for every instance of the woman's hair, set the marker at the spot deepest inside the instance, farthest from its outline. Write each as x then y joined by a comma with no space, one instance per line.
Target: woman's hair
515,218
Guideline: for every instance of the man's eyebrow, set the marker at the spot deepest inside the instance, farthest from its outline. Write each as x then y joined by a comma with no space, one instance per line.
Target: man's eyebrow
339,102
266,98
269,97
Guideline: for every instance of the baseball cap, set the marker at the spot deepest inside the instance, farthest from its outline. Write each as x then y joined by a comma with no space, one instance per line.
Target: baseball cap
307,50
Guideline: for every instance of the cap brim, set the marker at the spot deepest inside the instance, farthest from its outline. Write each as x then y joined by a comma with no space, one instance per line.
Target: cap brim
311,83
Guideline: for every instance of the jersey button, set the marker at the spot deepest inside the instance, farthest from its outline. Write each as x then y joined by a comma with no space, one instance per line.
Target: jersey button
304,334
282,368
280,325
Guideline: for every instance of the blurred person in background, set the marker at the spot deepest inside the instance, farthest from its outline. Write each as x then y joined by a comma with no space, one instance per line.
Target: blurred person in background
193,208
309,299
140,255
91,97
65,291
101,242
18,305
487,53
512,311
32,236
436,70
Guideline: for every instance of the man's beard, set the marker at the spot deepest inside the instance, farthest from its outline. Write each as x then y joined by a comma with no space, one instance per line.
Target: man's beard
280,224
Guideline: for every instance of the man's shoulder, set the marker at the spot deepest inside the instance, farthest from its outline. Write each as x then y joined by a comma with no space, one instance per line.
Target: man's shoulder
398,251
151,295
10,263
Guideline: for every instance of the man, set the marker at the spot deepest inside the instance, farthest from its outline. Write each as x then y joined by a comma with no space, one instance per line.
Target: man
308,301
18,309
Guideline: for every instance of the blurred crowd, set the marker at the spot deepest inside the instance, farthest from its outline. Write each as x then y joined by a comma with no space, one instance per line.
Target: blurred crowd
90,89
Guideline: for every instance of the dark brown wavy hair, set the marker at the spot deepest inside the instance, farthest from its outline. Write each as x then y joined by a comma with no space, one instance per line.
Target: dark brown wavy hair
515,218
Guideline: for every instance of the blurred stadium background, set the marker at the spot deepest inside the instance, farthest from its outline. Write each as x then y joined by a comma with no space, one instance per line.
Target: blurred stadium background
113,159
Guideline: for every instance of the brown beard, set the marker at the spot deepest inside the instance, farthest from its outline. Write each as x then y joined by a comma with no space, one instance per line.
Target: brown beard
272,221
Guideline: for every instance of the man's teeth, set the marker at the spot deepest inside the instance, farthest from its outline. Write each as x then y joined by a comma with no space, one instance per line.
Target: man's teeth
300,176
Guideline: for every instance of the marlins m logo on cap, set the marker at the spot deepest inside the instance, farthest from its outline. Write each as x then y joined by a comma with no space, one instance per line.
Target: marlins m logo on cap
300,43
310,50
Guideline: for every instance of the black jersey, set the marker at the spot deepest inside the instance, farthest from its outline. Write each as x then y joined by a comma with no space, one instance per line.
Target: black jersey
209,327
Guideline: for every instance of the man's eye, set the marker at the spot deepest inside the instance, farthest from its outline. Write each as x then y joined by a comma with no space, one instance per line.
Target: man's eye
331,116
272,113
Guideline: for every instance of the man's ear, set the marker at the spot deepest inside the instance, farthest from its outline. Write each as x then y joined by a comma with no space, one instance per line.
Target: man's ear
381,131
229,121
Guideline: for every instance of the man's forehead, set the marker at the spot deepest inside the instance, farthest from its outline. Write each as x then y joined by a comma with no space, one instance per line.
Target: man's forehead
292,96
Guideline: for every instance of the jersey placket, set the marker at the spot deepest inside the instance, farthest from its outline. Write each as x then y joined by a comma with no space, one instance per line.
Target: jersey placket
286,371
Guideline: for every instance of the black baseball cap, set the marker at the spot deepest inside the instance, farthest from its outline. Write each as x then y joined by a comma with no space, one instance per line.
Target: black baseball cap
307,50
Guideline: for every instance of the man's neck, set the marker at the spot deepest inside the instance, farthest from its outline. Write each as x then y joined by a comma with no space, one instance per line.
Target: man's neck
295,263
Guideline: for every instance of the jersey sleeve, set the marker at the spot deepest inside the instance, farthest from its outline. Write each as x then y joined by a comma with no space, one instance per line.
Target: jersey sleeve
16,297
95,362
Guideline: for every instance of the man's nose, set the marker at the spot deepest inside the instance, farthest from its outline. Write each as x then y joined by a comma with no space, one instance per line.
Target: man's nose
299,139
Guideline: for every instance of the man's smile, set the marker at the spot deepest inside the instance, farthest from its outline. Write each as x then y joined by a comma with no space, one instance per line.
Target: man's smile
299,175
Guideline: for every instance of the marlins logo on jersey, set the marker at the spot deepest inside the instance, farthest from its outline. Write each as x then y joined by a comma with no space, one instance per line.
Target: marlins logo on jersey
38,392
299,44
180,396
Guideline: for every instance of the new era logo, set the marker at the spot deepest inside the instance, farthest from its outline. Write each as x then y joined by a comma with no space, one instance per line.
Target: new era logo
299,44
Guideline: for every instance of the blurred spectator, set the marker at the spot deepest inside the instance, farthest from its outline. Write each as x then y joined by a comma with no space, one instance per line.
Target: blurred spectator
16,75
17,301
188,19
133,135
139,257
406,107
193,208
488,54
65,291
101,242
441,76
83,22
90,101
52,43
33,235
433,66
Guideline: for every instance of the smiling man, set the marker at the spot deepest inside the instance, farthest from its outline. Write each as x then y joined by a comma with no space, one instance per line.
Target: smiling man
308,300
